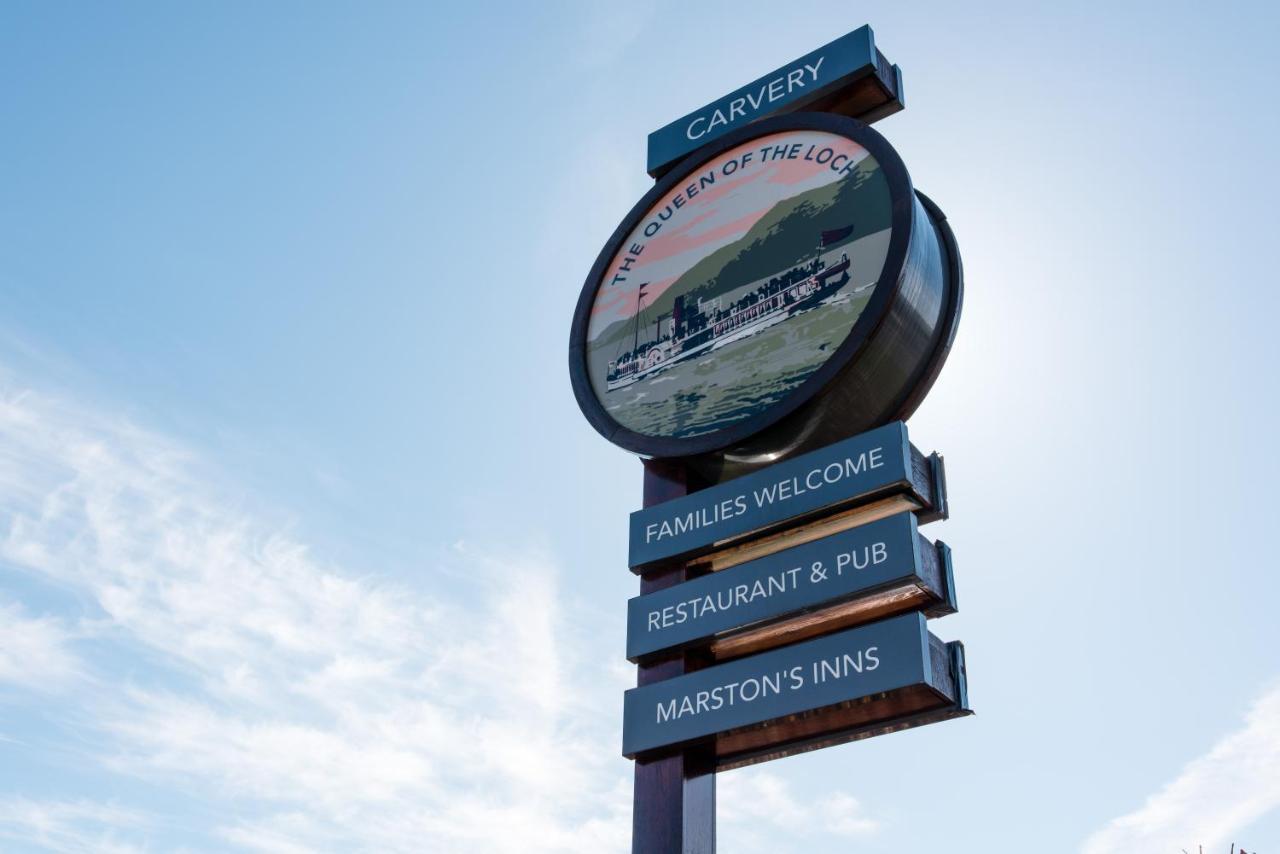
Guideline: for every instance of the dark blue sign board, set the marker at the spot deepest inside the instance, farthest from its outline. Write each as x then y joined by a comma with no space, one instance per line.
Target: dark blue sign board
895,656
823,79
884,557
872,465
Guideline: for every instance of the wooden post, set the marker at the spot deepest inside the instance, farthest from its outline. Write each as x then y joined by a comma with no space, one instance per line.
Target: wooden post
674,811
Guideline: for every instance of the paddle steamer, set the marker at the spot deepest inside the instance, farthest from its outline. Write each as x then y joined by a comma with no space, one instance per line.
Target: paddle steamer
695,330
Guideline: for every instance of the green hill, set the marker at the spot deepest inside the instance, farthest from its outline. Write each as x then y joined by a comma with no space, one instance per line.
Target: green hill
785,236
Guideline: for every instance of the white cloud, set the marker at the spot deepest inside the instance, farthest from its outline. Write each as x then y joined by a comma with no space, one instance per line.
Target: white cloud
71,826
35,652
302,707
323,710
752,800
1213,799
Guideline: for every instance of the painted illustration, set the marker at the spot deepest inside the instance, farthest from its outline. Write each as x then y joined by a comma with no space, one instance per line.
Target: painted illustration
739,283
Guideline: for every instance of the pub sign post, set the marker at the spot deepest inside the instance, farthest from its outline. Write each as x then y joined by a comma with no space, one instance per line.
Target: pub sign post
758,329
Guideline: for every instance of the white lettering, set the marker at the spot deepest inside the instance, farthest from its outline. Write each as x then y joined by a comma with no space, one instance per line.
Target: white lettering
771,91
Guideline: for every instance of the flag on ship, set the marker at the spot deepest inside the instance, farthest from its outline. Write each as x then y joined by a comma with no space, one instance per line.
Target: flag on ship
835,235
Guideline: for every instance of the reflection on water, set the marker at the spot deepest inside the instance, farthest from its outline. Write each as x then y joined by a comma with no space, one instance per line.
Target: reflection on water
739,379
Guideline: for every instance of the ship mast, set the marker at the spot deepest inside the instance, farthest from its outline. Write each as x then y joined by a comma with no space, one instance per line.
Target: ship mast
635,342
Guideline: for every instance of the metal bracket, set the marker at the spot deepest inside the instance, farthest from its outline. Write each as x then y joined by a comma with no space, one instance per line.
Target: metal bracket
956,651
938,486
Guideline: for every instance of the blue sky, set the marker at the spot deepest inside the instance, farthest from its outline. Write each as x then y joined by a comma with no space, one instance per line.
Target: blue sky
304,545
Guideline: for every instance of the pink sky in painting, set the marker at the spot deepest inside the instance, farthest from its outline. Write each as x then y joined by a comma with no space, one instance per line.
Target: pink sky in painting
713,218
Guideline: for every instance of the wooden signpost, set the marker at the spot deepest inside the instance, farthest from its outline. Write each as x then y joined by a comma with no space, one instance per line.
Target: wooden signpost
758,328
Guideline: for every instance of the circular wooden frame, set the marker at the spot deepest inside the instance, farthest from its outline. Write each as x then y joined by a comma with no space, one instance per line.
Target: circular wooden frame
902,200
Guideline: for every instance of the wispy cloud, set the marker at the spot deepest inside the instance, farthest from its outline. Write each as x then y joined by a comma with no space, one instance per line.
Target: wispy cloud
323,710
756,800
71,826
35,652
1213,799
303,707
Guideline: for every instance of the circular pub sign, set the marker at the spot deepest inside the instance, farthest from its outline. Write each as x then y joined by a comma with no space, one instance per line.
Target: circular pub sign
782,288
